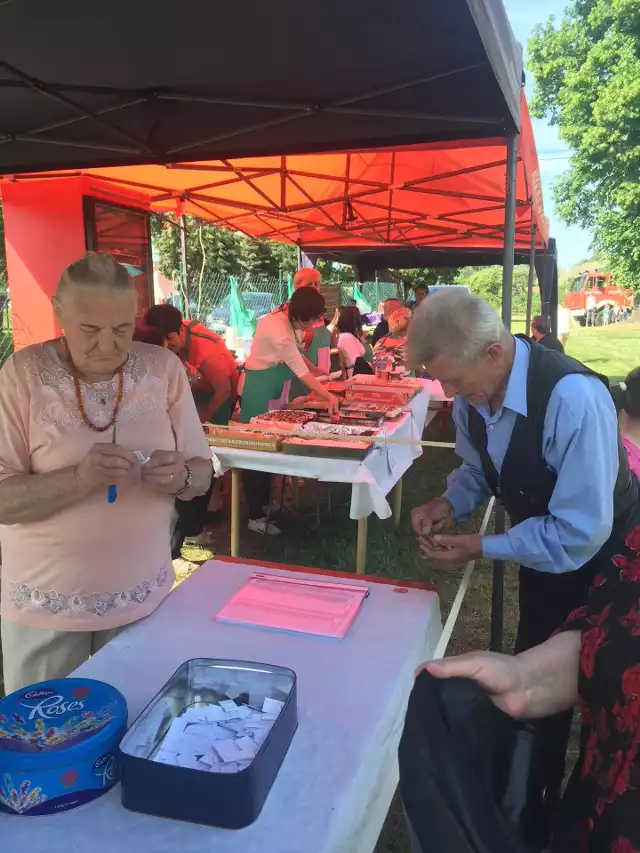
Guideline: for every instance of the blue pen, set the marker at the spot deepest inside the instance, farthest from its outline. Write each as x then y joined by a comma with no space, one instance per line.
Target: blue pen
112,491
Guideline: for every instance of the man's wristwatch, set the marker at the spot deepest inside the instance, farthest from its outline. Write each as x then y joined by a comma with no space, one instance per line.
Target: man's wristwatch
187,483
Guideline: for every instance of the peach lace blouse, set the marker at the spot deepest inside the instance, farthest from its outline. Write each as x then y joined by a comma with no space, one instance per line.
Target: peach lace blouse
94,566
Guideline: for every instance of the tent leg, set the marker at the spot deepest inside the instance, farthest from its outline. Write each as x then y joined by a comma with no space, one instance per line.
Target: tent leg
497,592
532,272
497,597
183,257
509,229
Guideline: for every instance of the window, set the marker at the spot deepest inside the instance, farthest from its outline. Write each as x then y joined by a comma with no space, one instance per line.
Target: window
124,233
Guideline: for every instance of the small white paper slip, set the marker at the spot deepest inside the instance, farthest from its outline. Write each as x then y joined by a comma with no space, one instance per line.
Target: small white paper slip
246,748
229,706
272,706
142,459
212,713
227,750
243,712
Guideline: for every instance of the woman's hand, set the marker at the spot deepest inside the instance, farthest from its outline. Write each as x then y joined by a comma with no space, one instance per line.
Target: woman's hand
500,675
105,465
165,472
332,404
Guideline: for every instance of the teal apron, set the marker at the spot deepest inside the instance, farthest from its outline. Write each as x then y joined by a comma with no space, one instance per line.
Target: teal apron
320,348
265,390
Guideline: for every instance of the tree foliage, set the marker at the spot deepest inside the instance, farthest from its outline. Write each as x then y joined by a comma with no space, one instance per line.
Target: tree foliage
487,283
587,74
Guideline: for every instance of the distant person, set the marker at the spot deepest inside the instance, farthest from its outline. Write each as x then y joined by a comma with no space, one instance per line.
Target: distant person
382,329
205,352
591,309
626,396
356,351
421,291
564,325
541,334
606,315
391,348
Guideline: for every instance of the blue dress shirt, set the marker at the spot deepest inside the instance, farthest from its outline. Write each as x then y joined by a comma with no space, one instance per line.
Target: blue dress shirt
580,445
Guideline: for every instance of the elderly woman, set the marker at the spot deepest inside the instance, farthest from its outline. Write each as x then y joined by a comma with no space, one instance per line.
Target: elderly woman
391,348
85,536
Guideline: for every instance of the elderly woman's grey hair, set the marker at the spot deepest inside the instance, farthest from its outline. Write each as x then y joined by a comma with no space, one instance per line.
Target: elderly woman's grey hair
95,269
454,323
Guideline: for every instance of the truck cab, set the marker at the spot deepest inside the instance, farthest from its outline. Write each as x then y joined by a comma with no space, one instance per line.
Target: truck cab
591,292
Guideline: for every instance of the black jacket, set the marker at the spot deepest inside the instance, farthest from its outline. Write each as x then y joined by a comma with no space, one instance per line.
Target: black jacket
380,331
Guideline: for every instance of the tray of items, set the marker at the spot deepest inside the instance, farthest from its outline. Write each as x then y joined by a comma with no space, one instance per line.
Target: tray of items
336,448
209,746
242,439
349,419
372,410
284,419
340,429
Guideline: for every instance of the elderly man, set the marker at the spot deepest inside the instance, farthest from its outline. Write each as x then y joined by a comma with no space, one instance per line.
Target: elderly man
538,430
541,334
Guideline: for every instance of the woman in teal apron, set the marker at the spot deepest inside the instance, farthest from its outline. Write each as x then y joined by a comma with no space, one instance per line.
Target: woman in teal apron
274,360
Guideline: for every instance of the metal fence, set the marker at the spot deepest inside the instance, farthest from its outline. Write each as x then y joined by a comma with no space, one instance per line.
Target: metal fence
209,298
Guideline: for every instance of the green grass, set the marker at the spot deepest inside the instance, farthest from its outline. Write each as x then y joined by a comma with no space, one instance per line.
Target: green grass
613,351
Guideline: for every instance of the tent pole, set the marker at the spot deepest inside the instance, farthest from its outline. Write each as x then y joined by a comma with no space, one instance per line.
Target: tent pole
497,595
532,272
509,229
183,257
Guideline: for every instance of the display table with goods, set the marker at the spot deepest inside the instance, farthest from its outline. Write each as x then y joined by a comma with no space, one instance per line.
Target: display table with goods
371,445
265,707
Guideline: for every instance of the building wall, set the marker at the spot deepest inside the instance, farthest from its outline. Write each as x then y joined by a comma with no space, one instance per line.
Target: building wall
44,232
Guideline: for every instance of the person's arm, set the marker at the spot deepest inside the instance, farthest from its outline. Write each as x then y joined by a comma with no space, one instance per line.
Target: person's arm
289,353
166,471
218,378
580,443
25,498
467,487
537,683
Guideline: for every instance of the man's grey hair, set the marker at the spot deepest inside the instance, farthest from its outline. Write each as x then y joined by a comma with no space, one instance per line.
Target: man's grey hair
454,323
95,269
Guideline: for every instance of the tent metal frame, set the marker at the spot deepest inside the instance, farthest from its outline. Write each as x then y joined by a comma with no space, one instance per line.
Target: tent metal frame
62,94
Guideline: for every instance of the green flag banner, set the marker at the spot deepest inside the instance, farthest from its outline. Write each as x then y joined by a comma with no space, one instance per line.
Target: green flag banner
361,303
240,317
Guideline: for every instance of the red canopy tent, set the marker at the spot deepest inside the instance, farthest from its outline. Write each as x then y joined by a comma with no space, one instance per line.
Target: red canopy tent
439,197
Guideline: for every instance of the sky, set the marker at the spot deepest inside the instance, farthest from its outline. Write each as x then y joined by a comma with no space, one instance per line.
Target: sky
573,243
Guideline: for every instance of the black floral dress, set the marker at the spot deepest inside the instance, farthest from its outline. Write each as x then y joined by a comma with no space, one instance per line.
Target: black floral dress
609,688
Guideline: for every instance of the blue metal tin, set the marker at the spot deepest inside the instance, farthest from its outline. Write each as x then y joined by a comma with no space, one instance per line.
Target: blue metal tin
58,745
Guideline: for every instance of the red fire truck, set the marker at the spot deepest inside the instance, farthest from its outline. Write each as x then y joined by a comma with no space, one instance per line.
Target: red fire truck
591,292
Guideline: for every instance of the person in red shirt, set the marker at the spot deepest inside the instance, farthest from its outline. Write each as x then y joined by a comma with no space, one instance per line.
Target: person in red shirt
212,367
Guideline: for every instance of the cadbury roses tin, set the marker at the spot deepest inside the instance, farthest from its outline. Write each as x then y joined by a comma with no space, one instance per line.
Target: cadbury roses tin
58,745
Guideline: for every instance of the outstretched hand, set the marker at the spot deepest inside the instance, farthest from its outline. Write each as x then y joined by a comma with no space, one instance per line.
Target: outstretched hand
500,675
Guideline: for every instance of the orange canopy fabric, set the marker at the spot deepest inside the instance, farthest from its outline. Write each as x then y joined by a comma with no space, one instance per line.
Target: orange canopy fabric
440,196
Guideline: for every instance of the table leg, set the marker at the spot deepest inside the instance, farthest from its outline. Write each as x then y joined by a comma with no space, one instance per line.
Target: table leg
361,547
397,502
235,512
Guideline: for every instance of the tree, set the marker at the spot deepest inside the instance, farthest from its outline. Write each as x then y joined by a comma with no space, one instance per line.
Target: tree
587,74
487,283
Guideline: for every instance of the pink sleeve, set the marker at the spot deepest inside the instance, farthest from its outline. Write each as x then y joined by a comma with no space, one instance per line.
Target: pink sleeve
14,419
188,431
633,452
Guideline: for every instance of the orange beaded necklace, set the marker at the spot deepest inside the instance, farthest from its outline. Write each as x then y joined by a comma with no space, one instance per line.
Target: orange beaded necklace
80,400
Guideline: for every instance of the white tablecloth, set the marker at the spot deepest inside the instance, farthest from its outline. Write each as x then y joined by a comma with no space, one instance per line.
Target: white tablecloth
333,791
372,479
